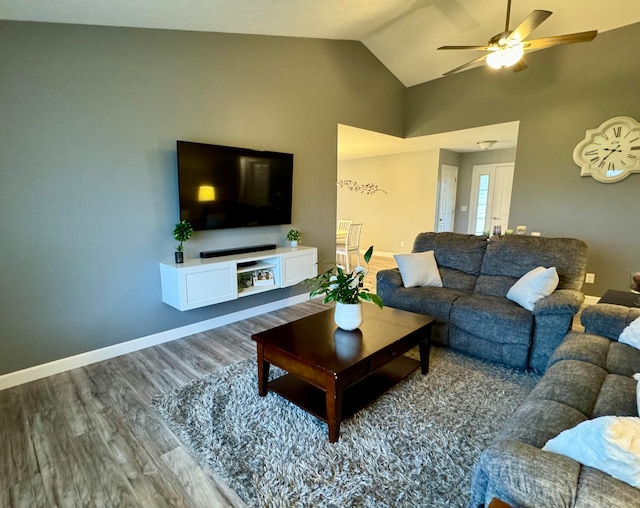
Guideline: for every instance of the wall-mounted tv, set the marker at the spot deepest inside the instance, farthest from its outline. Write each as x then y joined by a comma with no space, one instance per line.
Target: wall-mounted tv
224,187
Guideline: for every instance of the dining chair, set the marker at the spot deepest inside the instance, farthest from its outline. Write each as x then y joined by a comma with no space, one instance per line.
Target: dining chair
351,244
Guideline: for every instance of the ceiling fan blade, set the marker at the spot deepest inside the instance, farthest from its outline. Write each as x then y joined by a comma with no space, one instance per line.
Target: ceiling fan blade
464,66
548,42
533,21
484,48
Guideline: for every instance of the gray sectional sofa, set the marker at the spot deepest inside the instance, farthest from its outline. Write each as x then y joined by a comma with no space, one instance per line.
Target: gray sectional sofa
588,376
472,312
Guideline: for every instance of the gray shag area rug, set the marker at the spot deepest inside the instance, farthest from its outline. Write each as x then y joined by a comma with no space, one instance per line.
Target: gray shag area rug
414,446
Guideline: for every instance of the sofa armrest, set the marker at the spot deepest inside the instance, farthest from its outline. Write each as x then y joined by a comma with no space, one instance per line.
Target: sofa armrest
562,301
607,319
388,279
524,476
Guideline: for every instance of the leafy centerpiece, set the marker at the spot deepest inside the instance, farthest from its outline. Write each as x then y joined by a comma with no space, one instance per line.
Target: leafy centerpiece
182,232
294,235
347,290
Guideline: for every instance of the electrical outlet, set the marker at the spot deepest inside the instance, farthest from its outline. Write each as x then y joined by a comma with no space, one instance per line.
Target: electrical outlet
402,243
463,208
590,278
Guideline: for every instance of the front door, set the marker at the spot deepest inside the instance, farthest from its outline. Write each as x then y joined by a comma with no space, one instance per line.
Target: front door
490,197
447,185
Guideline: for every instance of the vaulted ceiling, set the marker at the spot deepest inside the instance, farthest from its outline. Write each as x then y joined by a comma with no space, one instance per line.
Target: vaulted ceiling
403,34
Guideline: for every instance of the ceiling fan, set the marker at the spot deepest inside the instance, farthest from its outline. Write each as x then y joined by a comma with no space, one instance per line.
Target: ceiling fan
507,48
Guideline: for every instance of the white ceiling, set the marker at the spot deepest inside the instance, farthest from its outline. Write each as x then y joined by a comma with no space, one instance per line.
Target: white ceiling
403,34
355,143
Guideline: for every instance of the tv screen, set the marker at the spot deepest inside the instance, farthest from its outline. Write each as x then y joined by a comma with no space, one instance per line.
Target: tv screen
225,187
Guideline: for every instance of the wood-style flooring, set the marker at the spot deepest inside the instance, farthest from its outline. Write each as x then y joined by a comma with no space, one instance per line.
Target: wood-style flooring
90,438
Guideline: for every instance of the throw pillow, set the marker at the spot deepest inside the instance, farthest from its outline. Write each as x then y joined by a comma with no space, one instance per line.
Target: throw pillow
610,444
637,378
631,334
533,286
419,269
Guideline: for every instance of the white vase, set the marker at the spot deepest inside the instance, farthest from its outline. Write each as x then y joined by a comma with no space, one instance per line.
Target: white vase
294,243
348,316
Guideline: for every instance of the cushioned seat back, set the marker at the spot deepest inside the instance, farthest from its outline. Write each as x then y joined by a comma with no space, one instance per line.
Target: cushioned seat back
459,257
509,257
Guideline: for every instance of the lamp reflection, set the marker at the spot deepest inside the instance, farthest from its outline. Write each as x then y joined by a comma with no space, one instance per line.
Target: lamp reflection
206,193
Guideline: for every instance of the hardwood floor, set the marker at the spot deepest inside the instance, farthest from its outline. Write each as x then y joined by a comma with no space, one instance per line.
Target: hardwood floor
89,437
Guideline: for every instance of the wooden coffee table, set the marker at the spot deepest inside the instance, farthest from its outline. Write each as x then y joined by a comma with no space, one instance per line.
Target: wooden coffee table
333,373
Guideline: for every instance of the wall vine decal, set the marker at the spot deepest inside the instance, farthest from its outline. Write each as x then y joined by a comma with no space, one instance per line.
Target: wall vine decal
365,188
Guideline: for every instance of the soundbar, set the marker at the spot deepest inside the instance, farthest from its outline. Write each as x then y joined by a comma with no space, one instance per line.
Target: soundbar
237,250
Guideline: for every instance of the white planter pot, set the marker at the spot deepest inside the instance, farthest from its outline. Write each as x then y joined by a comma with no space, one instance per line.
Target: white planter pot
348,316
294,243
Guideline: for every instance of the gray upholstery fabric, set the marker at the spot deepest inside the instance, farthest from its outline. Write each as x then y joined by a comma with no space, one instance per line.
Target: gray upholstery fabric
548,333
511,354
617,397
607,319
471,311
454,250
526,476
514,255
588,376
596,489
492,318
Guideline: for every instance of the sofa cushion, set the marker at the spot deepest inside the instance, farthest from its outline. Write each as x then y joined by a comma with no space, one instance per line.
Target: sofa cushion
610,444
492,318
612,356
509,257
418,269
617,397
538,420
607,319
533,286
574,383
459,256
433,301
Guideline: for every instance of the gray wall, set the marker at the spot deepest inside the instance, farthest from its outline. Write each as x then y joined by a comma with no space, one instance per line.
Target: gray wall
88,189
465,173
565,91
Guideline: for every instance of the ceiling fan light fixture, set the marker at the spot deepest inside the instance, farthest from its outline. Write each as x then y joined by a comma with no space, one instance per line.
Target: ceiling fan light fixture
485,145
505,57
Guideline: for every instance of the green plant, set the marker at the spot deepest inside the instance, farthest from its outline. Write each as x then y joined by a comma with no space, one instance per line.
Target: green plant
294,235
344,287
182,232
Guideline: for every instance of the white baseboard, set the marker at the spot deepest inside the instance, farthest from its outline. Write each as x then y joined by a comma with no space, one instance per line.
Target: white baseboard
73,362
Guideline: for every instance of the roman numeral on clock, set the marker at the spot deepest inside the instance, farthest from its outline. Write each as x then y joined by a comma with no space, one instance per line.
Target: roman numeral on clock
617,131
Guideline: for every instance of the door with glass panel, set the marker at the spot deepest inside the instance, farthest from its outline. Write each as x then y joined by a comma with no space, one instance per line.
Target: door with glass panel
490,197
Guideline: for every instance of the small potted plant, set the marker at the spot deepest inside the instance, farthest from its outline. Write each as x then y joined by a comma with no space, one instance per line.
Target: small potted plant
182,232
294,236
347,291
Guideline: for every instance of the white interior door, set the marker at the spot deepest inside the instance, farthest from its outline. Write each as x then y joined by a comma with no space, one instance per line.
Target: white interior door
447,186
490,197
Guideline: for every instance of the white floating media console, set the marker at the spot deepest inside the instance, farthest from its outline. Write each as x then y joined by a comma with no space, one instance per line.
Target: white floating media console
201,282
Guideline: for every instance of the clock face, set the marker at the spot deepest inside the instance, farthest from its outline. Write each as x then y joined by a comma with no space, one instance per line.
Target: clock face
613,150
610,152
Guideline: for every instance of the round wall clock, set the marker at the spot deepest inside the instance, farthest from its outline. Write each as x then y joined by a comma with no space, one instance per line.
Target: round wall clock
611,152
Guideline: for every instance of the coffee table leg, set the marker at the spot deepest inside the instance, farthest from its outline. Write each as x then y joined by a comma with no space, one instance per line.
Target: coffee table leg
263,372
334,412
425,349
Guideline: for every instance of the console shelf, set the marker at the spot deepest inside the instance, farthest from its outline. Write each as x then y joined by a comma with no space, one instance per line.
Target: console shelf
200,282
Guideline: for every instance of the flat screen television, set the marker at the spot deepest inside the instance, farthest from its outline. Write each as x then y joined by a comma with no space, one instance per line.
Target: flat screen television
224,187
